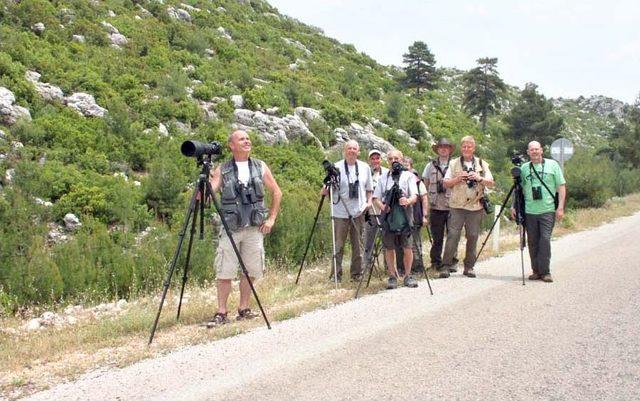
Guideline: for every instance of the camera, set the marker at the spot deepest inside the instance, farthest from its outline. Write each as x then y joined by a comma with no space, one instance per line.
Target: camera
470,183
197,149
486,204
440,187
333,173
397,168
536,192
517,159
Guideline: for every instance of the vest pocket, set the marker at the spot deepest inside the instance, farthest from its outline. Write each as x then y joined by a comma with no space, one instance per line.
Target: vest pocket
258,215
232,218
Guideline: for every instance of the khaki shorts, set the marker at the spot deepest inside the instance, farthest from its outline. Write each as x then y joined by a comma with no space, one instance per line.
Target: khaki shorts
392,240
249,241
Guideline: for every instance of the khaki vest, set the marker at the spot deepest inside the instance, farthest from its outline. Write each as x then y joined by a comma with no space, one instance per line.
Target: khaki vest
463,197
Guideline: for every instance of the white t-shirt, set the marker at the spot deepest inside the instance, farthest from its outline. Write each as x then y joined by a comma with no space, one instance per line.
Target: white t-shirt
355,206
243,172
406,181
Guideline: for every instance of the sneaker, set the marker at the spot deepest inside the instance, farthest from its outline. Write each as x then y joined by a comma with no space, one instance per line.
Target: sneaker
392,283
535,276
547,278
444,272
469,272
453,269
410,282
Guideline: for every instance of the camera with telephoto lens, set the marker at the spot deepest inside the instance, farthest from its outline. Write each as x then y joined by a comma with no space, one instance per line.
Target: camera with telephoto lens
198,149
517,159
396,169
440,187
536,192
333,173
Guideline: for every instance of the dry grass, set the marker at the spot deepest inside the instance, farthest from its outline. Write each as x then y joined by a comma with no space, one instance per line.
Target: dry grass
32,361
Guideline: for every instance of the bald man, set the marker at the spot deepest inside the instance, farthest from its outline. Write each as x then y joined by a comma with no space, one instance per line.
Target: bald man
542,180
354,192
242,182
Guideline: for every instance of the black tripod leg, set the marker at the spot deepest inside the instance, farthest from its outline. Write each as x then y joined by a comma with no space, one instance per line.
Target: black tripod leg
237,252
504,204
313,228
369,267
188,257
176,254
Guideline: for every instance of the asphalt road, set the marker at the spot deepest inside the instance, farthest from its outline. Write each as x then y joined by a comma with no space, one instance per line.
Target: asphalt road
489,338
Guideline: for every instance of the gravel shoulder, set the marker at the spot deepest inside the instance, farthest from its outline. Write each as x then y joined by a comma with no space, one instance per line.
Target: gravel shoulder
488,338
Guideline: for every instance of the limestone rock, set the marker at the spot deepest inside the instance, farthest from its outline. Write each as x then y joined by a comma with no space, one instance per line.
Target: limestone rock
189,8
308,114
179,14
405,136
33,324
110,28
238,101
3,136
298,45
32,76
85,104
78,38
162,130
118,39
71,222
56,235
223,32
274,129
367,138
209,109
111,14
8,176
10,113
38,28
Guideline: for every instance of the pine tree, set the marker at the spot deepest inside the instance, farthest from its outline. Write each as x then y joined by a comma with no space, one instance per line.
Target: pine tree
532,118
420,67
483,89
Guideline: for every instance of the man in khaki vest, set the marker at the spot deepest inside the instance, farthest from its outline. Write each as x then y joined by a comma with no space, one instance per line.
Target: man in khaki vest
467,177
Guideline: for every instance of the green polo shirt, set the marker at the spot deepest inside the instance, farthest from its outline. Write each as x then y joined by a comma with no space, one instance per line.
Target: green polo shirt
552,175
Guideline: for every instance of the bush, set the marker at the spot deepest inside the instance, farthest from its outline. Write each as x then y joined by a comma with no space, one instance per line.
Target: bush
589,180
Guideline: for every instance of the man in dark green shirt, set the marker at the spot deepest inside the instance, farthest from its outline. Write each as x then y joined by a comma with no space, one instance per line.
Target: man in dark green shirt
542,181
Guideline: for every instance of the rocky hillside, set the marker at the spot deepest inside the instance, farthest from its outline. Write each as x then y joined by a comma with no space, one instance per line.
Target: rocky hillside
96,97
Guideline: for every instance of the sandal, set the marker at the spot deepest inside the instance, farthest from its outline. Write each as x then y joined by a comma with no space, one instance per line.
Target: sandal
246,314
218,319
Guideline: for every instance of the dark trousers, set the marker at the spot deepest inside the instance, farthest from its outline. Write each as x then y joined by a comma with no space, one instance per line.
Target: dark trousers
438,223
343,229
539,228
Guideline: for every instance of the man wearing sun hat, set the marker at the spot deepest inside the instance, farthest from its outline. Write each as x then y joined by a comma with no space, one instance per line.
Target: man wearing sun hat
433,176
371,227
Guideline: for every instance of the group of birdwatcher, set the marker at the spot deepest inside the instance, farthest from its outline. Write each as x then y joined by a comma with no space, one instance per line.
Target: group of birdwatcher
393,203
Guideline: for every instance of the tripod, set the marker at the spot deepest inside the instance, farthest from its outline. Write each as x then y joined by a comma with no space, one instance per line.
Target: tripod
331,183
518,205
201,194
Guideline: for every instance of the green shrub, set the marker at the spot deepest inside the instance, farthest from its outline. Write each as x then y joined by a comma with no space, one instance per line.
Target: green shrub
589,180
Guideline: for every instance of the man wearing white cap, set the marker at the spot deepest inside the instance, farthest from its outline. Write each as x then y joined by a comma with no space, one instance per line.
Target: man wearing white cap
371,227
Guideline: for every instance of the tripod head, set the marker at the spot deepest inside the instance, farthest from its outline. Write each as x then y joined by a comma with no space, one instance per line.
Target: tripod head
332,178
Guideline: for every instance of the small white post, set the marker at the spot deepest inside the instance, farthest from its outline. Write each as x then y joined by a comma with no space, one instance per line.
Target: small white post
496,231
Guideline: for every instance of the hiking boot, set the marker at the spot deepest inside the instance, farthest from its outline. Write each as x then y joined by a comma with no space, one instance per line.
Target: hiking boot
444,272
453,269
392,283
469,272
547,278
535,276
410,282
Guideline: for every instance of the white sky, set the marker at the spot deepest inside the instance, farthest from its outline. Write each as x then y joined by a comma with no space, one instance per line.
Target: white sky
567,47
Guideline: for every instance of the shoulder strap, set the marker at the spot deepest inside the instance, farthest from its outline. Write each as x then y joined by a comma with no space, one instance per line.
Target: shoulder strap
543,183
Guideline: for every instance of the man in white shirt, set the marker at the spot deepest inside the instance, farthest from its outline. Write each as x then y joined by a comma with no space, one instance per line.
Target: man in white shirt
350,200
394,196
